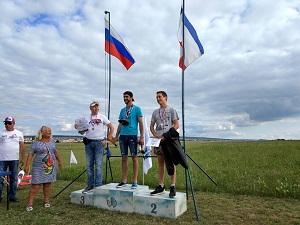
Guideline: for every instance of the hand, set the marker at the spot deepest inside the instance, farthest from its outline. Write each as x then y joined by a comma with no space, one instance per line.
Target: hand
141,141
156,136
21,162
104,142
82,132
114,140
110,138
76,125
60,166
26,169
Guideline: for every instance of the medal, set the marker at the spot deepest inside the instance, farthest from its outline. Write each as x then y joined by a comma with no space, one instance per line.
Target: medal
127,112
162,115
92,121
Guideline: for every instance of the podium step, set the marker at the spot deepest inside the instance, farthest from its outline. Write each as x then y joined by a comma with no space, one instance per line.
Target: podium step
117,199
160,205
82,199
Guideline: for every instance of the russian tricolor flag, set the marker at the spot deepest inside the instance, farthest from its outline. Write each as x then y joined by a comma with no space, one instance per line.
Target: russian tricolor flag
192,46
117,46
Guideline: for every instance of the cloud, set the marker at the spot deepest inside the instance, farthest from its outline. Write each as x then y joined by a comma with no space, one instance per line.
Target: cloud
53,64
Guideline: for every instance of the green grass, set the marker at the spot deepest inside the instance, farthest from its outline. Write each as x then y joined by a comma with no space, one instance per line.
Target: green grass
262,168
259,183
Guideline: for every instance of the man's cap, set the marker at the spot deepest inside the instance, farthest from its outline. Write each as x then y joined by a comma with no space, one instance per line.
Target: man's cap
9,119
129,93
94,103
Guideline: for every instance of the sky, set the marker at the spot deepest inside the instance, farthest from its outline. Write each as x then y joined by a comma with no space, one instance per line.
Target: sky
245,86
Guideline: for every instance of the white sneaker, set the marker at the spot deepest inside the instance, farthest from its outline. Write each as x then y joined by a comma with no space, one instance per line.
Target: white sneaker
29,208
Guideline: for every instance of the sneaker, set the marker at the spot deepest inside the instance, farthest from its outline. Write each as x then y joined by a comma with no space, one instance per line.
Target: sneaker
88,189
134,185
172,192
29,208
14,199
122,184
158,190
47,205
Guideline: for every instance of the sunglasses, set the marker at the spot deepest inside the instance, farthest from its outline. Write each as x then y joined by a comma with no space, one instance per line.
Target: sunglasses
7,123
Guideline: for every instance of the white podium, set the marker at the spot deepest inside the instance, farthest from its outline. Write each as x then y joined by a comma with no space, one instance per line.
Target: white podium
132,200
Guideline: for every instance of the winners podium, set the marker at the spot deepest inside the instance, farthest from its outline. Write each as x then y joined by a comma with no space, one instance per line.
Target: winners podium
132,200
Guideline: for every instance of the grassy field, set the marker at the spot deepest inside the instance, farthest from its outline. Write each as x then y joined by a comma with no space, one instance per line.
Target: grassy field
259,183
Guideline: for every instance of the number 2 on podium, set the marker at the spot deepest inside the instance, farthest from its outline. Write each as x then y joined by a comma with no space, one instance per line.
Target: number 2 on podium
153,206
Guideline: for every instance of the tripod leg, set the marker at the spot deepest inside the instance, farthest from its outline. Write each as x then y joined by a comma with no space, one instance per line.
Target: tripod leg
186,184
69,184
106,169
203,170
111,175
192,190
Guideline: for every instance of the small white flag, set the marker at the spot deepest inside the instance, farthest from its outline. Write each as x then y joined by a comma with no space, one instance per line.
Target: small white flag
147,160
72,158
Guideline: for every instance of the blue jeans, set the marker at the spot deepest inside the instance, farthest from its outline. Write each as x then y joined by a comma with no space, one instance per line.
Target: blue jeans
13,167
130,141
94,156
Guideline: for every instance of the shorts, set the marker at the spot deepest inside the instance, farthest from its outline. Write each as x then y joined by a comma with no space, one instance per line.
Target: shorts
130,141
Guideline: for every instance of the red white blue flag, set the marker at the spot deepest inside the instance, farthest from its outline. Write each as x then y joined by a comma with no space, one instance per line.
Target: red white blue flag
193,48
115,44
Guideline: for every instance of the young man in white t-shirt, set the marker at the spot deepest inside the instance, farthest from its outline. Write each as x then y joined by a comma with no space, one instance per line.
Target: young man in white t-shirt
11,145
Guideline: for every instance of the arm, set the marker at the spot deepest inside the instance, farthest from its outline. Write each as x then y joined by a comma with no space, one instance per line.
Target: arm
141,126
176,124
58,159
28,161
22,152
110,137
118,132
111,129
153,130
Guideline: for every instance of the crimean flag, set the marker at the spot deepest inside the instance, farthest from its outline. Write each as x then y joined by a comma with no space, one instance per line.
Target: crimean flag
118,47
192,45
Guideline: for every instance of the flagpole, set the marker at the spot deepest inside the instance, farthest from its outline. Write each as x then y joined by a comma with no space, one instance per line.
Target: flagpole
187,171
109,67
109,89
182,93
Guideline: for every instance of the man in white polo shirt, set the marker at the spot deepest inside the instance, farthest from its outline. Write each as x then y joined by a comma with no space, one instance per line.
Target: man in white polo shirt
11,144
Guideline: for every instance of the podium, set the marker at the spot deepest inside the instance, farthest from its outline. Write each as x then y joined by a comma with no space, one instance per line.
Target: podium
132,200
